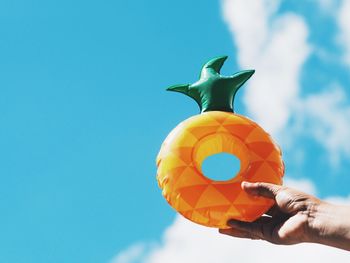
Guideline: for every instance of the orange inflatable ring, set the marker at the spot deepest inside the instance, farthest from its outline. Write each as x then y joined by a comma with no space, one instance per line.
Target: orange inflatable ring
217,129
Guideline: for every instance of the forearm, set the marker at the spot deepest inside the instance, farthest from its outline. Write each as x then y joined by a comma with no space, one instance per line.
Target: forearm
330,225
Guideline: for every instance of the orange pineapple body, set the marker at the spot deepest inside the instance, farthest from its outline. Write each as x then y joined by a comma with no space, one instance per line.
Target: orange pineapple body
213,203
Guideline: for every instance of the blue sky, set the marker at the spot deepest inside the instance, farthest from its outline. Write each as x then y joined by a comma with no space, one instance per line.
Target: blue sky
84,110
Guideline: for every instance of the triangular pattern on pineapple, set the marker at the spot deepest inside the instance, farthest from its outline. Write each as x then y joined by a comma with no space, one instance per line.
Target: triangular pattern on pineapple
190,177
222,209
175,173
214,212
211,197
222,129
191,194
201,131
264,169
276,167
207,220
185,139
257,135
183,206
203,120
250,211
274,156
188,214
241,131
252,170
173,161
230,191
166,167
254,157
232,211
244,198
219,117
237,119
199,218
184,153
263,149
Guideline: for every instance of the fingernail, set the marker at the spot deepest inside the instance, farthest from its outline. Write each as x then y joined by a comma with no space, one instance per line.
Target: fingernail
244,184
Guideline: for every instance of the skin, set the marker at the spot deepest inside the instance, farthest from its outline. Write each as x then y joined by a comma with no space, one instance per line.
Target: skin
296,217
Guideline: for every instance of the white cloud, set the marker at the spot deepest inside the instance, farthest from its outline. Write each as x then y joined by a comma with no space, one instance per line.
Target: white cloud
248,21
134,253
327,6
304,185
343,20
276,46
186,242
339,200
327,118
339,10
131,254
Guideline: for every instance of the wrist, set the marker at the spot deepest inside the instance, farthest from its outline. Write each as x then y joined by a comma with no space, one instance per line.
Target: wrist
330,225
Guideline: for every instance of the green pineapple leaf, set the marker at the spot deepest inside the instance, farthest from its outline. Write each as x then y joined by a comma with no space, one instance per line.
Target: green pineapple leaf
214,92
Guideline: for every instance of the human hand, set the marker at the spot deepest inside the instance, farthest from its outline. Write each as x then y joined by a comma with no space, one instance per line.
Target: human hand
289,221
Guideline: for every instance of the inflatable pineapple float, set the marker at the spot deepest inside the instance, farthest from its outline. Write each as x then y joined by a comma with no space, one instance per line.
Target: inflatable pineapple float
217,129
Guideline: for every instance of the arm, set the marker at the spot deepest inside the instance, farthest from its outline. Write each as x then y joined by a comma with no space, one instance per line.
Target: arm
332,225
295,218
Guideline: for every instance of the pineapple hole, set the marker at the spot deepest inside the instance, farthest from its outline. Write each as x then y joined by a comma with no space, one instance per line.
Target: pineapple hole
221,166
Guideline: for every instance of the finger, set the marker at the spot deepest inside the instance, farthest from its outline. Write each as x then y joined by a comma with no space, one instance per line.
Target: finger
277,214
237,233
240,225
273,211
261,189
261,228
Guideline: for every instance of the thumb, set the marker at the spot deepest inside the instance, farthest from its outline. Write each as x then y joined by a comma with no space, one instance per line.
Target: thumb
261,189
